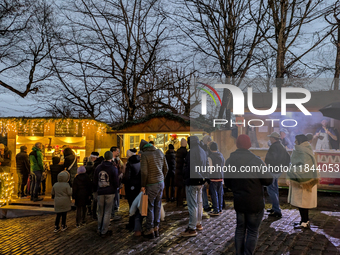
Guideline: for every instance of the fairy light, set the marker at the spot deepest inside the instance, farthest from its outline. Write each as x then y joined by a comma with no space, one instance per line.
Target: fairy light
7,188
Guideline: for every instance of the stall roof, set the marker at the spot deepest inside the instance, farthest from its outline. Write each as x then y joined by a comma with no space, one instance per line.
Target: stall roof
318,100
158,122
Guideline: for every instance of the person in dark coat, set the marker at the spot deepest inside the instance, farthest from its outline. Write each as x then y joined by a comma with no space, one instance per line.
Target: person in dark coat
247,188
170,156
277,156
132,181
194,181
23,170
70,163
96,163
81,192
181,153
55,169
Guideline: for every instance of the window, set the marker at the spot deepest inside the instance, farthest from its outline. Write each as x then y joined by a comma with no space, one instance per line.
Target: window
134,141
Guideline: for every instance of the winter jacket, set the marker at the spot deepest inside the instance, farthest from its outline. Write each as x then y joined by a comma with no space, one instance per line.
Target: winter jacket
82,190
195,157
23,163
170,156
36,160
90,169
303,155
132,177
303,184
105,179
217,159
247,187
181,153
69,158
62,192
6,158
277,156
153,164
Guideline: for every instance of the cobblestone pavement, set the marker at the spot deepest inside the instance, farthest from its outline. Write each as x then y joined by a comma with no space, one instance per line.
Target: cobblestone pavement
34,235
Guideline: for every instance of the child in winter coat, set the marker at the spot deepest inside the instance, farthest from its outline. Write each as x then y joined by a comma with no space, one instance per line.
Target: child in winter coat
81,192
62,192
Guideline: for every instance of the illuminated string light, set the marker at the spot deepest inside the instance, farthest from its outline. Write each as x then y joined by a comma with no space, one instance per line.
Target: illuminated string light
7,188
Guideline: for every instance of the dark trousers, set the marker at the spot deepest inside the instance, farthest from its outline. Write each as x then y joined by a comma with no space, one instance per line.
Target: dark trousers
63,219
247,230
170,183
94,205
43,186
180,195
304,214
131,196
35,185
81,214
22,181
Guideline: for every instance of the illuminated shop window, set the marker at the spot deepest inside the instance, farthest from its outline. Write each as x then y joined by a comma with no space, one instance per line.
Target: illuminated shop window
134,141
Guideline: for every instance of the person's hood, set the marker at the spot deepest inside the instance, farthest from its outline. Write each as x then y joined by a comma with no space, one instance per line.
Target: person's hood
194,141
134,159
144,145
63,176
304,147
70,156
33,149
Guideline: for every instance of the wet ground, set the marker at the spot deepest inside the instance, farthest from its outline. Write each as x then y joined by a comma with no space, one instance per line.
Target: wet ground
34,235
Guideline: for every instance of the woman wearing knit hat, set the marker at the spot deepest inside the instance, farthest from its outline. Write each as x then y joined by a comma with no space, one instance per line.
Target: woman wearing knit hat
81,192
248,194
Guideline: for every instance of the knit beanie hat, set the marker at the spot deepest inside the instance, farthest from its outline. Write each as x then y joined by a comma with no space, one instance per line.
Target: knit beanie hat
81,170
243,142
213,146
183,142
130,153
171,147
108,155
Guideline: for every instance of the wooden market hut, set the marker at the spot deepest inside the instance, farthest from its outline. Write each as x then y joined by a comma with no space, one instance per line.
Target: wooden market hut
157,127
82,135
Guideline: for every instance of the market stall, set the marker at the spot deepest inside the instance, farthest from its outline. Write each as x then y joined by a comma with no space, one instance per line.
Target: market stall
162,128
81,135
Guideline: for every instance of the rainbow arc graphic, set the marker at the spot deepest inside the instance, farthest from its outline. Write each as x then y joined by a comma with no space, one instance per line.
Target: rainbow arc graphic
204,98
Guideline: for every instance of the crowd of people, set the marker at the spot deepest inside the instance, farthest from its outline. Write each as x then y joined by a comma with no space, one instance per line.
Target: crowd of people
96,185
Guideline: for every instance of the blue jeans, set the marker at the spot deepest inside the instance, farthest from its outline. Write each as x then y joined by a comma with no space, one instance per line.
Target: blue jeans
138,222
194,200
154,192
115,203
105,203
247,230
273,192
205,198
216,193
